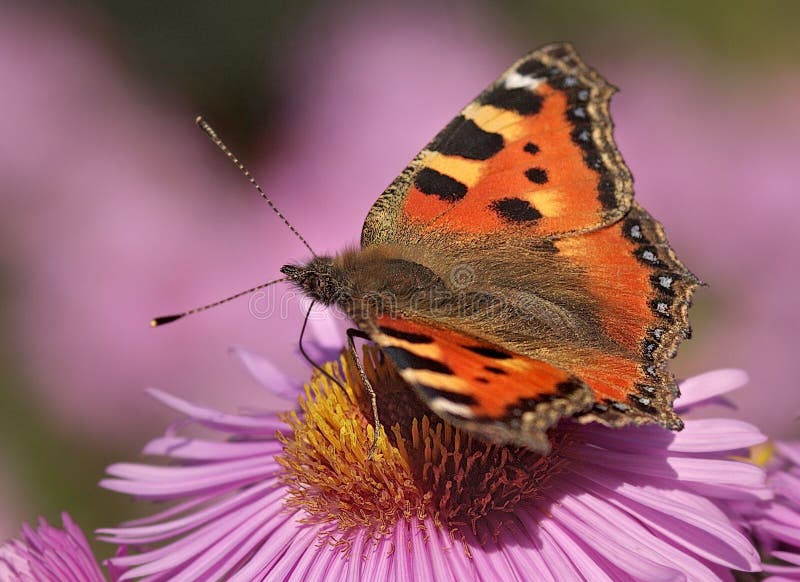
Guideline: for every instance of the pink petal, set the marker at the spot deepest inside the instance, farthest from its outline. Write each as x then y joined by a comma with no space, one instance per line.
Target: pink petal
148,534
170,511
325,331
792,573
685,469
689,520
428,560
614,546
790,450
269,376
275,558
612,523
206,450
196,546
402,559
520,552
708,385
715,434
790,557
454,554
165,482
788,485
214,419
786,533
586,565
355,563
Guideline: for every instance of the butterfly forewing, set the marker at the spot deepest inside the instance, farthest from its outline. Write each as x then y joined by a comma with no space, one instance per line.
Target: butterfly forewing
531,156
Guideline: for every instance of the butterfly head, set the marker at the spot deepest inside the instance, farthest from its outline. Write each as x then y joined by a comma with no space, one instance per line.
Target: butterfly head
319,279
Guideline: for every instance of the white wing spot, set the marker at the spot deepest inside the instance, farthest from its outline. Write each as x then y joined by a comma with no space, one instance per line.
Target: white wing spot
649,256
449,407
517,81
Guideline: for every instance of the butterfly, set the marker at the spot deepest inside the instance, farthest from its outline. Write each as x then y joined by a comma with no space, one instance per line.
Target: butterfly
508,273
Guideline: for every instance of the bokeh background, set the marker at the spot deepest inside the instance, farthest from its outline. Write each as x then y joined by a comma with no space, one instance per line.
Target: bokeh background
115,208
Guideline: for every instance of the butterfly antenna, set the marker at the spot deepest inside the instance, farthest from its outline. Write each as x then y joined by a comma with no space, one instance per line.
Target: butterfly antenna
221,145
165,319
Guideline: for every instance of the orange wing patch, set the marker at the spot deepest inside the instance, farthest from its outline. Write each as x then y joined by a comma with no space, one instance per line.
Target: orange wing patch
505,396
538,182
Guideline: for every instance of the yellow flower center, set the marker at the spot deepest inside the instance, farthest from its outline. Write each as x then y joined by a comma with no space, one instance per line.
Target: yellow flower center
423,467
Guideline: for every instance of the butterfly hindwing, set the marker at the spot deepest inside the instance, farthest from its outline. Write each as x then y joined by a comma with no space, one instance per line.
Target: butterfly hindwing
506,397
643,293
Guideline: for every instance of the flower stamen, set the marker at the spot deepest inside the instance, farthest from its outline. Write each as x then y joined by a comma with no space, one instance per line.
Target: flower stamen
423,467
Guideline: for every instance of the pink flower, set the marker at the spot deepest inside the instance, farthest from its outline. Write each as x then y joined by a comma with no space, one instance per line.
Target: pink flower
49,554
636,503
775,524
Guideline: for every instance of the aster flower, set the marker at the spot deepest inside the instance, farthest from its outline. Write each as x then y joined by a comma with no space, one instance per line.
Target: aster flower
775,524
49,554
294,496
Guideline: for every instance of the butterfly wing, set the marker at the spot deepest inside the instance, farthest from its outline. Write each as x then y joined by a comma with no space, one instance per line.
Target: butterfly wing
531,167
643,292
533,154
504,396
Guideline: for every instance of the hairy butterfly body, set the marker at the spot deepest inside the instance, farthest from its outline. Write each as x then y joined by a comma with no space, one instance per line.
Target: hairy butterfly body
508,273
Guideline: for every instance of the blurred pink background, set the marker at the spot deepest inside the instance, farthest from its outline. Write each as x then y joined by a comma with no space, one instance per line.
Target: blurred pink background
114,208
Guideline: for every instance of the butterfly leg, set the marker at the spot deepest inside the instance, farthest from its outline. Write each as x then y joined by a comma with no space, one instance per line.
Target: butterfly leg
353,333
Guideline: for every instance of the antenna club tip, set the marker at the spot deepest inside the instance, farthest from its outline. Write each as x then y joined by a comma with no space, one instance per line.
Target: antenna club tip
199,119
159,321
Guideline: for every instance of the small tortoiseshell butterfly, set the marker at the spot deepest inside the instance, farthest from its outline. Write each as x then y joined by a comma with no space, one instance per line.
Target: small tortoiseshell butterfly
508,273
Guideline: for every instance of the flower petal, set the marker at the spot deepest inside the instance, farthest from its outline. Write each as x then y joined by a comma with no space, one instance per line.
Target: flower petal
265,424
147,481
790,450
49,554
206,450
269,376
519,550
787,485
686,519
611,543
706,386
710,435
152,533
